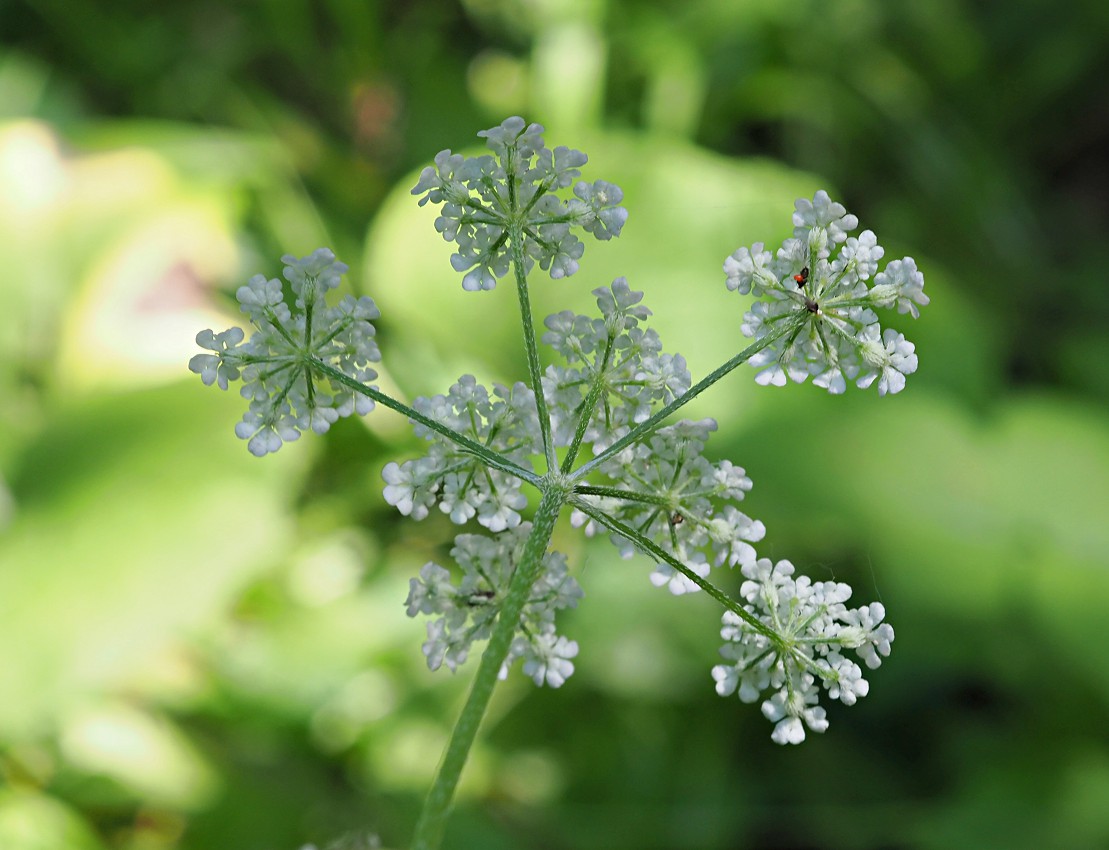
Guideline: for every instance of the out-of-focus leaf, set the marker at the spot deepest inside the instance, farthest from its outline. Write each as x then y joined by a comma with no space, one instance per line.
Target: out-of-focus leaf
143,753
963,516
138,519
112,253
32,821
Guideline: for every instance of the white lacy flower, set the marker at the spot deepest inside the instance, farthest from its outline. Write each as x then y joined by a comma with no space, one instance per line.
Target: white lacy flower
318,271
411,488
864,632
465,612
822,213
214,368
732,532
901,284
751,270
547,658
889,360
676,582
787,710
861,255
287,394
432,592
614,352
599,212
484,198
819,306
464,488
812,627
685,504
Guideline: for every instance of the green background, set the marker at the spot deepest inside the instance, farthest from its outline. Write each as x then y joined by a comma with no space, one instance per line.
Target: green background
200,650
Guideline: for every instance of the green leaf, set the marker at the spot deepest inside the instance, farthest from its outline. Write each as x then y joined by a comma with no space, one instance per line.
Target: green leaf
138,519
33,821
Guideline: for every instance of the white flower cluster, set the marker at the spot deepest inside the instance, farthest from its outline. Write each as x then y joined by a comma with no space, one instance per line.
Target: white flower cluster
484,198
824,286
613,351
287,395
459,482
689,507
812,627
465,612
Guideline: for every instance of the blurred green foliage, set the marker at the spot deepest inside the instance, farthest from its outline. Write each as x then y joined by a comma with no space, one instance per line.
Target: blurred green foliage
203,651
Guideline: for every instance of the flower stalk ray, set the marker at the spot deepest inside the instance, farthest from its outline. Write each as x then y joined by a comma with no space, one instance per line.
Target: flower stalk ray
649,547
645,428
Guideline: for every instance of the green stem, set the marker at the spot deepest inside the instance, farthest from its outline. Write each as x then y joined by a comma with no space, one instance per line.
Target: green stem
655,551
487,455
433,817
589,405
652,424
619,493
516,237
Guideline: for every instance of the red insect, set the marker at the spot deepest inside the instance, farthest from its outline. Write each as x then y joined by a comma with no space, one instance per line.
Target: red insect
802,278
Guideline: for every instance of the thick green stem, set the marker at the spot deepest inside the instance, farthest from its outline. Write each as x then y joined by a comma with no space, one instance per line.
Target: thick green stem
652,424
433,818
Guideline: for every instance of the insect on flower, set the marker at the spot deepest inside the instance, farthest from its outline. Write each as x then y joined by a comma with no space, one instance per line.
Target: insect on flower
802,278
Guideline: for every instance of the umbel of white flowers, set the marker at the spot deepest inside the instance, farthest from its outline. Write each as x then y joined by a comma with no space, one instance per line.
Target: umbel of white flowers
822,283
286,393
788,637
811,628
486,198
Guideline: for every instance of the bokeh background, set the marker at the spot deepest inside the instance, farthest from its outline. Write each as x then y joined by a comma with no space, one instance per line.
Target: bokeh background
204,651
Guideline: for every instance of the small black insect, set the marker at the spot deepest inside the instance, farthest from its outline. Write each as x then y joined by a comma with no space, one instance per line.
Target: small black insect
802,278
